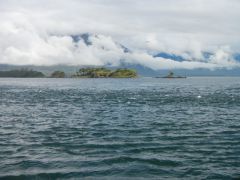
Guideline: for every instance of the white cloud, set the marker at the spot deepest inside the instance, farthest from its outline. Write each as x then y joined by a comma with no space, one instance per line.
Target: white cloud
39,32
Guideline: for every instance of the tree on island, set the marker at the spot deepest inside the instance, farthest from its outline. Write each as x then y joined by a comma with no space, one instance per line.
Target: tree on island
170,74
58,74
93,72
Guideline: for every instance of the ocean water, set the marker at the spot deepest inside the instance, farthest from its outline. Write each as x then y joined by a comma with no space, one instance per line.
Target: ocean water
143,128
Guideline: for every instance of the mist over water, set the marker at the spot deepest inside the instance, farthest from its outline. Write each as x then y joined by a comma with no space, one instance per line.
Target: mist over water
120,128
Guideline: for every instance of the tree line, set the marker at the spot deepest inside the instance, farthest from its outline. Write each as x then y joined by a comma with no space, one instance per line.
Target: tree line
81,73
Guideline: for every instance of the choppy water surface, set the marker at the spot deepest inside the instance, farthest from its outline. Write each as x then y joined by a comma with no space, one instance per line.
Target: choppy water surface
120,128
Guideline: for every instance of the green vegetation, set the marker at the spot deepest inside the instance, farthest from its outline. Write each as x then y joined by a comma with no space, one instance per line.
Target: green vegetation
93,73
58,74
82,73
124,73
22,73
105,73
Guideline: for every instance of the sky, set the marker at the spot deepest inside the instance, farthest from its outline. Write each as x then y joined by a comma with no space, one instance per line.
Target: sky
34,32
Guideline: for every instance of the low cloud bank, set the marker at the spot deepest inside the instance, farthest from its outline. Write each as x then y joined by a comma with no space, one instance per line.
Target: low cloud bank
31,35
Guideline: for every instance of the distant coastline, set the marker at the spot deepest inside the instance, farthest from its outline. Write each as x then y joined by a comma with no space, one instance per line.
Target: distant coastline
22,73
81,73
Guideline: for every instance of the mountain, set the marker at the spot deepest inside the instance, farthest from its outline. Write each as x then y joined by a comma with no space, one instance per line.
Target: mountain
86,39
237,57
170,56
142,70
145,71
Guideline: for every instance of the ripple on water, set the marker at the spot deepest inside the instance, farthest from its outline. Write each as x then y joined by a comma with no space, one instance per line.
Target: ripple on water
143,128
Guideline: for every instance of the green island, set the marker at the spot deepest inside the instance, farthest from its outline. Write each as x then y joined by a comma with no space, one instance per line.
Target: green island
81,73
22,73
58,74
105,73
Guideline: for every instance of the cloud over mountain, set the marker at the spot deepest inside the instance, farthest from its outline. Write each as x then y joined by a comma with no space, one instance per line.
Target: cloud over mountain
51,32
